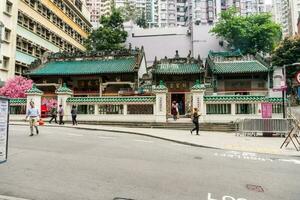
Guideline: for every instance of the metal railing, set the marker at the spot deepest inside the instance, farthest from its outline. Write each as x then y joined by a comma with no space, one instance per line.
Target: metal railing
251,127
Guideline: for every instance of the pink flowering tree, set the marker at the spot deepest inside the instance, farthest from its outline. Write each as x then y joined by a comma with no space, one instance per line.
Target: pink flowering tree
50,103
16,87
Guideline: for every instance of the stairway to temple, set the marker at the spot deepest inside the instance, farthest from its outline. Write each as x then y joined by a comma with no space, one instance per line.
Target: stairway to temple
179,125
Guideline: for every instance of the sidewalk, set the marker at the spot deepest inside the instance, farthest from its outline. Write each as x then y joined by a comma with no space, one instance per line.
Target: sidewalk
219,140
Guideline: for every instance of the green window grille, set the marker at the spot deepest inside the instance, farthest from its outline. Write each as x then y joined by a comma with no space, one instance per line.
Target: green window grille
140,109
277,108
218,109
245,108
85,109
17,110
110,109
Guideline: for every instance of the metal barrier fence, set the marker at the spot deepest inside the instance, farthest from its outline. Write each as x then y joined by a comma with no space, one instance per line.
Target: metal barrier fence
253,126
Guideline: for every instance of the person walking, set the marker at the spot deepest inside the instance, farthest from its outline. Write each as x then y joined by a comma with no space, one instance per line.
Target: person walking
195,121
61,115
74,115
174,110
33,114
53,114
177,110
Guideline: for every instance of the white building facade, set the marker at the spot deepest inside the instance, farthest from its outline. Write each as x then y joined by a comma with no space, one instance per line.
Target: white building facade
8,20
282,15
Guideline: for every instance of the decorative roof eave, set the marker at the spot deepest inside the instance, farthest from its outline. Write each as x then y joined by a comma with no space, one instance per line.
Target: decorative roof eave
198,86
161,87
18,101
241,98
112,100
64,90
34,90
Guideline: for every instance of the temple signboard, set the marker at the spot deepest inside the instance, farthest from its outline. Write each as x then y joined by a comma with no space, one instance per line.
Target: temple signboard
4,111
266,110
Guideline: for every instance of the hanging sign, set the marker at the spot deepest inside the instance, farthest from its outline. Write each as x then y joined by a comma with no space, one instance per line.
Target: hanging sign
4,111
298,77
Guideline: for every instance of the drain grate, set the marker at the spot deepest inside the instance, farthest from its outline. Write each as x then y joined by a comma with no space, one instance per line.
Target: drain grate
255,188
197,157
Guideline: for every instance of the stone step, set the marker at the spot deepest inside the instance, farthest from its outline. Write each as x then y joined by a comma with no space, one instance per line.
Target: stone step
222,127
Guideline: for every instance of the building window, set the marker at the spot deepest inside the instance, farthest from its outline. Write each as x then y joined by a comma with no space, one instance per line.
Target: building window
218,109
7,34
245,108
5,62
8,7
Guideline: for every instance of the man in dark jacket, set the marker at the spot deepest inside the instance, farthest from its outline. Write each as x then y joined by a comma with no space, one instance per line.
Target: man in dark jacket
53,114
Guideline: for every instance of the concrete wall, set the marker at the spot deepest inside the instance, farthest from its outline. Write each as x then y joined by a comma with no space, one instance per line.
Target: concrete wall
163,42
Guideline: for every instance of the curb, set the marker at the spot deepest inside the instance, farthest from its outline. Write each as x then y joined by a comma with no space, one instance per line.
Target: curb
129,132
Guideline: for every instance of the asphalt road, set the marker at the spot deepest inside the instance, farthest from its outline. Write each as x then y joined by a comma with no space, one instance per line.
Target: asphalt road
72,164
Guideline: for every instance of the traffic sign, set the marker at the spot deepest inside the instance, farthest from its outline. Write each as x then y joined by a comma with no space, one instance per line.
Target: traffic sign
298,77
4,117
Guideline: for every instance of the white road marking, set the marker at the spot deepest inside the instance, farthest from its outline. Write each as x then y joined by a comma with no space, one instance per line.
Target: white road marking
225,197
2,197
242,155
297,162
146,141
73,134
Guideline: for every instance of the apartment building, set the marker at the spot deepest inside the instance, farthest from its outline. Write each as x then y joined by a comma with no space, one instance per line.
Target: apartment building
295,13
282,15
49,26
94,7
8,20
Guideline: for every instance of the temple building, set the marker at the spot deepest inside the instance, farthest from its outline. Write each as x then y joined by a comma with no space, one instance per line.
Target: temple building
179,75
92,74
232,73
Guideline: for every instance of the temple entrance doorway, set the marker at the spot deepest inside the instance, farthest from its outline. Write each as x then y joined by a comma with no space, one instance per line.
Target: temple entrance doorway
180,99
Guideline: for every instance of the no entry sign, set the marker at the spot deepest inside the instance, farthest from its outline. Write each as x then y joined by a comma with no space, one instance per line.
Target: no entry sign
4,115
298,77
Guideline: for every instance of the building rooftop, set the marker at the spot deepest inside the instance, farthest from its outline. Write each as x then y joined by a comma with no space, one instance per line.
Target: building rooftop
90,63
235,63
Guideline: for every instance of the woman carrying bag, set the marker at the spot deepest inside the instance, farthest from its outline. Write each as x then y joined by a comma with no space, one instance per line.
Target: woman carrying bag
195,118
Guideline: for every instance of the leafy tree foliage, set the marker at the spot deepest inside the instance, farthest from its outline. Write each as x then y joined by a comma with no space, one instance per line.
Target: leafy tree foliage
250,34
287,52
16,87
110,35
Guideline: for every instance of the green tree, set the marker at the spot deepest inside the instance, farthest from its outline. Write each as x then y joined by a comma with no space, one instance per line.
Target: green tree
110,35
250,34
287,52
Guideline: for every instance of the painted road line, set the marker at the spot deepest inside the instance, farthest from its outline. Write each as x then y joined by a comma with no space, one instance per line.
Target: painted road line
225,197
2,197
297,162
145,141
243,155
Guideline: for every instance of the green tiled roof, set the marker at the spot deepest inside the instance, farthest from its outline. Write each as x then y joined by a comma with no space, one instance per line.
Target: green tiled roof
63,89
238,67
18,101
86,67
34,90
111,100
173,68
241,98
